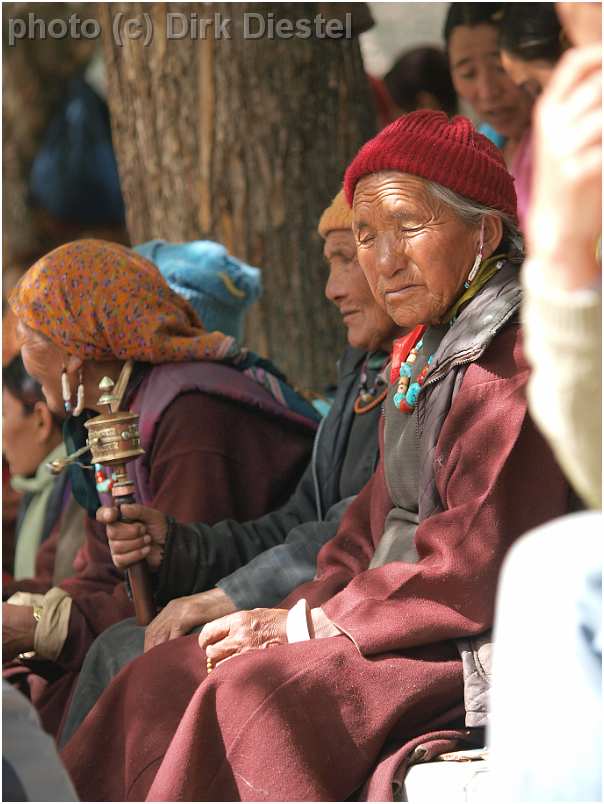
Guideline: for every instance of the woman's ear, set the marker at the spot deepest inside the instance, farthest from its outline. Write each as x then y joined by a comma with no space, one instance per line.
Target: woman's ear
493,232
73,364
47,429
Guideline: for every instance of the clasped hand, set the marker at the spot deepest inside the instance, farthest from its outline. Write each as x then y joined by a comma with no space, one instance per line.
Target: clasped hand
243,631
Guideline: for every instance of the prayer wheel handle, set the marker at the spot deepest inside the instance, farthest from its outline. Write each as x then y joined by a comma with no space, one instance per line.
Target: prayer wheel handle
114,441
139,577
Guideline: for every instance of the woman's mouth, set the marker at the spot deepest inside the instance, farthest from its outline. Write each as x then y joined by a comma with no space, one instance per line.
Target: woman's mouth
500,116
398,293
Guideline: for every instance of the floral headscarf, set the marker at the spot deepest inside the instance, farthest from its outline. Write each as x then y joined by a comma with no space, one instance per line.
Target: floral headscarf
101,301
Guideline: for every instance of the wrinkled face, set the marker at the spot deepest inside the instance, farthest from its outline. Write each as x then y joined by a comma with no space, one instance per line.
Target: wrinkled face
582,22
20,436
44,362
368,325
479,78
415,252
531,76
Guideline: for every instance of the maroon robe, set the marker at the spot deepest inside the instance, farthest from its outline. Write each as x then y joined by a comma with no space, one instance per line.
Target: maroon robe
246,464
41,581
317,720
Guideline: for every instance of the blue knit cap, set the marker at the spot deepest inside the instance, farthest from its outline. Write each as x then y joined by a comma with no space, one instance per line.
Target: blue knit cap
219,287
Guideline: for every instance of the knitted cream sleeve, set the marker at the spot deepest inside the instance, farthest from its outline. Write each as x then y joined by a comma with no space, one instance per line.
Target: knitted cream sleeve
563,342
51,631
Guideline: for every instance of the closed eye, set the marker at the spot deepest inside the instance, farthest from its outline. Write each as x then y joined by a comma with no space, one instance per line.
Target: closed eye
410,231
365,239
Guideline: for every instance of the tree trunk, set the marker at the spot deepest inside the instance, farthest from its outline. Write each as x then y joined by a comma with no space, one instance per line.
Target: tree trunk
244,141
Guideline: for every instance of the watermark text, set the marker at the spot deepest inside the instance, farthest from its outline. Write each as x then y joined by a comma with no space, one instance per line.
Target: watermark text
177,25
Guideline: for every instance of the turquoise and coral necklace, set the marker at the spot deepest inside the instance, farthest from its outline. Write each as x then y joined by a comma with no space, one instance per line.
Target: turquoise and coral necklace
404,358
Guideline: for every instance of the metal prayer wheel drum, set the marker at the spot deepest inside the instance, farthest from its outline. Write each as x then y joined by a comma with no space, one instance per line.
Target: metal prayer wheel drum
114,438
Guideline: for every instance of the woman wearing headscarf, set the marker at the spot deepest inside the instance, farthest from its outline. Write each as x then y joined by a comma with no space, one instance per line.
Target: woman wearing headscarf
364,662
223,434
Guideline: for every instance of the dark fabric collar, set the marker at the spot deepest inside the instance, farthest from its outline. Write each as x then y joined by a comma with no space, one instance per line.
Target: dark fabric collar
479,322
331,441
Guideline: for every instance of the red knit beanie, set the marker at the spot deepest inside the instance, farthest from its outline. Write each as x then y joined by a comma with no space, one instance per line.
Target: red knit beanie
450,152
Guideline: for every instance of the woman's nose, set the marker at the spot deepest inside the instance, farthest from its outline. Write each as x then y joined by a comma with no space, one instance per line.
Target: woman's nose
390,257
488,87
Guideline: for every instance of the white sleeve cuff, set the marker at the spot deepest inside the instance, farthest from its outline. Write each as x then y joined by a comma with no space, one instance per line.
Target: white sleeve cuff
299,626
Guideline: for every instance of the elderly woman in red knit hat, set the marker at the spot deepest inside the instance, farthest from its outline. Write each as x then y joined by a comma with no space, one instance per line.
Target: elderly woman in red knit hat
365,660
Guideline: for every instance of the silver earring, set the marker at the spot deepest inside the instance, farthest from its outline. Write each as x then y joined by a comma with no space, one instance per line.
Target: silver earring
474,270
66,391
478,260
79,395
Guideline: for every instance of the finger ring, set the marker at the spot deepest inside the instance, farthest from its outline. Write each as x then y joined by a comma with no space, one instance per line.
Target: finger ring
209,664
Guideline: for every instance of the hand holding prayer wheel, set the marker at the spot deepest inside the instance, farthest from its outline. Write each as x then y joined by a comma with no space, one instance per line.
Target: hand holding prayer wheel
139,534
114,441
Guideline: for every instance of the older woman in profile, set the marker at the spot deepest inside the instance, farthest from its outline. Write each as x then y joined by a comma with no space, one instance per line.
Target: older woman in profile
87,310
364,660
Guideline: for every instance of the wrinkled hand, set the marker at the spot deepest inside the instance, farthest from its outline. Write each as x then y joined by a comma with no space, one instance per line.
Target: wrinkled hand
242,632
565,218
130,542
180,616
18,626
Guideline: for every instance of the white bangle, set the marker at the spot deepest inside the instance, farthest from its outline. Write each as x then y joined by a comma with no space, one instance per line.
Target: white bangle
299,623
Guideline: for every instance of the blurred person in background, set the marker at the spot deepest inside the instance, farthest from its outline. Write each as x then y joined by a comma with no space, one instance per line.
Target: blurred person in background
531,40
419,79
11,499
50,525
548,641
471,33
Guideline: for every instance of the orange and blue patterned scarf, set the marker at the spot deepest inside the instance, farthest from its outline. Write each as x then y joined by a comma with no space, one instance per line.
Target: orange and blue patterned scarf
102,301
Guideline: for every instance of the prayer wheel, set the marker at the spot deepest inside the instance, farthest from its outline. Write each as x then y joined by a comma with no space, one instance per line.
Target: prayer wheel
114,441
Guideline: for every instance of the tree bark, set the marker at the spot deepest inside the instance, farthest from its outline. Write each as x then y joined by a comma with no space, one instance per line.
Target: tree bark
244,141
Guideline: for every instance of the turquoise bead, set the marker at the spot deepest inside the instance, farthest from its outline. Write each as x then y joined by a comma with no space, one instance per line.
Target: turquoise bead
413,393
430,359
405,370
397,399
